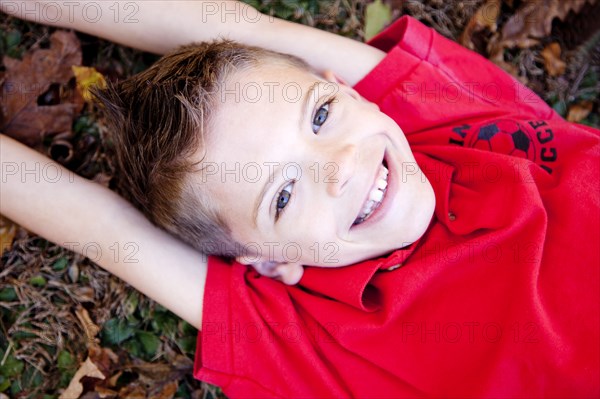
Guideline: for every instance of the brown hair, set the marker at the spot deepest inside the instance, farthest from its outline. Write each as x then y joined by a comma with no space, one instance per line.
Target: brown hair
159,119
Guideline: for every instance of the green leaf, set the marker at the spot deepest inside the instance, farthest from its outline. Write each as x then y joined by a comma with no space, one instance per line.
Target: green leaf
150,342
377,16
133,347
561,108
65,360
116,331
65,378
60,264
37,281
12,367
131,303
32,378
4,383
187,344
187,329
164,323
8,294
15,387
13,38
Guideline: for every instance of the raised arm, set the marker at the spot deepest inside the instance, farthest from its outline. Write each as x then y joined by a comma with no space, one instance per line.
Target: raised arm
78,214
159,26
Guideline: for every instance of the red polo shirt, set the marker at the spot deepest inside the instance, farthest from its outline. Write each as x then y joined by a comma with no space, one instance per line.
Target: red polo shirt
499,298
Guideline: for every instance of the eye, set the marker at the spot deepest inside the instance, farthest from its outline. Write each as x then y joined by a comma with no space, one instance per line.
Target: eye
321,116
283,198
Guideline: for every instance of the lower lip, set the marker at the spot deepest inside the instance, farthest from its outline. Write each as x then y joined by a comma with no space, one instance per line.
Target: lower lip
390,192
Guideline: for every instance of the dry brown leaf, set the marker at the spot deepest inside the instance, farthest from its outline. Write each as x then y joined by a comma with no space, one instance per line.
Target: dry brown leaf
7,234
167,391
112,381
484,18
153,371
41,72
531,22
90,328
75,388
133,391
552,62
106,359
579,111
105,393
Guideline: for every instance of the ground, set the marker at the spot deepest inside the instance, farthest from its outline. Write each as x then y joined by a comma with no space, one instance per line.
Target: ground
58,308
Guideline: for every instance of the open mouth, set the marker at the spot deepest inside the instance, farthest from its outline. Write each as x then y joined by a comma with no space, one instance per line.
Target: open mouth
376,194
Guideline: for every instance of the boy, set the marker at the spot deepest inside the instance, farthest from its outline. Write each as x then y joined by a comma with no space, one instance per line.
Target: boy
477,302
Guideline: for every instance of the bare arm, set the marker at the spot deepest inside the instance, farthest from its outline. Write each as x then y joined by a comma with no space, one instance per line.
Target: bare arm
72,212
159,26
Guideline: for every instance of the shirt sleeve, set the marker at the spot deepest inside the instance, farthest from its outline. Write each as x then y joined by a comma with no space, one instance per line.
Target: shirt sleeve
427,80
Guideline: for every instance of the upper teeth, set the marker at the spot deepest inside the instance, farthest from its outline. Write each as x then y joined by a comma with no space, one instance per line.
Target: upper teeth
375,195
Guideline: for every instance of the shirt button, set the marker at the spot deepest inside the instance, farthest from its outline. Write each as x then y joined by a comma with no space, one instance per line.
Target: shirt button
394,267
451,216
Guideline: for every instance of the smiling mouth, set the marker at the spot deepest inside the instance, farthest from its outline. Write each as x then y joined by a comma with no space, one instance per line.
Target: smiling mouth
376,195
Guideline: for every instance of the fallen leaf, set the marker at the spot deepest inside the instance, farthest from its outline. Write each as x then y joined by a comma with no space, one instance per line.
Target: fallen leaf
75,388
133,391
90,328
377,16
104,358
7,234
105,392
531,22
45,74
579,111
484,18
87,78
167,391
552,61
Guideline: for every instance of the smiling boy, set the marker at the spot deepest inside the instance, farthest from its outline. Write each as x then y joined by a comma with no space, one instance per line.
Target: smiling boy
473,272
328,179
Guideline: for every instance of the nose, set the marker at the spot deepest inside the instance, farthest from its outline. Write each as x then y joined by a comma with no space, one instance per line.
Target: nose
340,168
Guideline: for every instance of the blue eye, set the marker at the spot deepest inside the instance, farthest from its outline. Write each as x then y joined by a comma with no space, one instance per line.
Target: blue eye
321,116
283,198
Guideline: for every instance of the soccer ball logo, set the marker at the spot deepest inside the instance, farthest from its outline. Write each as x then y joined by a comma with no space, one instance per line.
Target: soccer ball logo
505,137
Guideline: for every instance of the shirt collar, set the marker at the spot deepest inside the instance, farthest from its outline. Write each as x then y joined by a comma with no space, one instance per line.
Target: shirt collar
350,284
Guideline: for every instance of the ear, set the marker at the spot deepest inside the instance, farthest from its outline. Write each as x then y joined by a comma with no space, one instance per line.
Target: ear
286,272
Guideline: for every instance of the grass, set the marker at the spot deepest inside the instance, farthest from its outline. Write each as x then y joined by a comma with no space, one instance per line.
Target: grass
47,292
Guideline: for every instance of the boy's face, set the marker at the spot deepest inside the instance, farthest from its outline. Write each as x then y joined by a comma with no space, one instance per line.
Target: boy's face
307,172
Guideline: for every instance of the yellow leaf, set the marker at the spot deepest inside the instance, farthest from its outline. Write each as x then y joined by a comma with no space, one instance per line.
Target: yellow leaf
377,16
552,62
7,234
579,111
87,78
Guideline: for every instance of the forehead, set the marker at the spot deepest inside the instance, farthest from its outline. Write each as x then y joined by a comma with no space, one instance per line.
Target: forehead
254,109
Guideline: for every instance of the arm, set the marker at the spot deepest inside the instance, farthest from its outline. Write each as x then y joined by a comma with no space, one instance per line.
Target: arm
67,209
159,26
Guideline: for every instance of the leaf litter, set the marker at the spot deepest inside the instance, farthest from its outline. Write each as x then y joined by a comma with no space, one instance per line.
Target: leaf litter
61,315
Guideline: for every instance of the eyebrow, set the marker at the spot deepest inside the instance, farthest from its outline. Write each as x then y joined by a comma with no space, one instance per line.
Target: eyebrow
271,180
